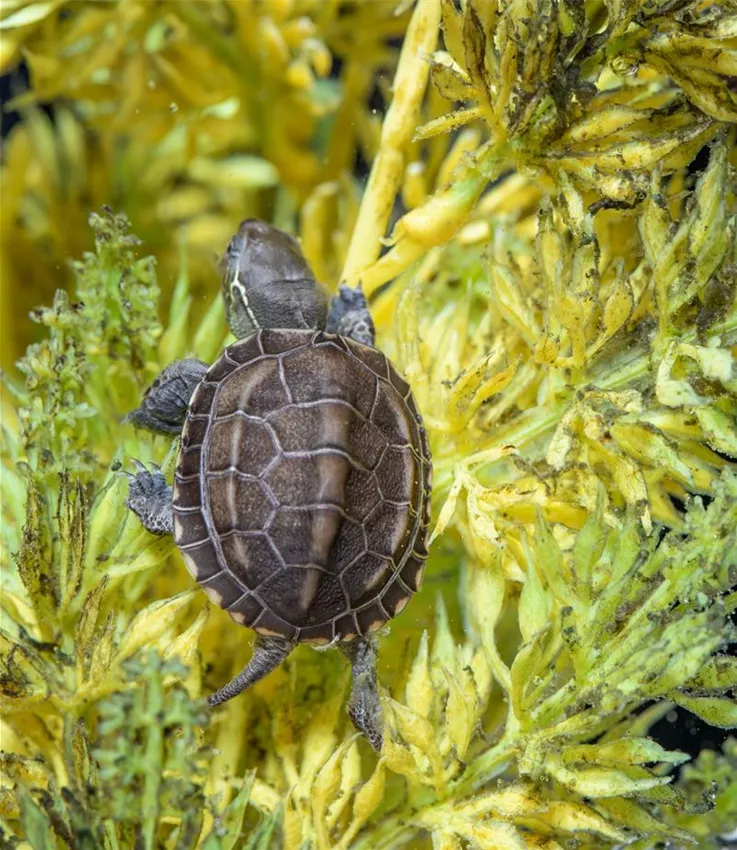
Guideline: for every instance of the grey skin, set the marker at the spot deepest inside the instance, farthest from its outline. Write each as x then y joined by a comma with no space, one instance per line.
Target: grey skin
266,284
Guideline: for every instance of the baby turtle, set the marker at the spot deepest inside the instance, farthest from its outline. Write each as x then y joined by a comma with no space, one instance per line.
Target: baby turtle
301,491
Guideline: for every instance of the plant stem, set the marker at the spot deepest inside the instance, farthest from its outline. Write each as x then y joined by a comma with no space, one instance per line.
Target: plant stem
399,124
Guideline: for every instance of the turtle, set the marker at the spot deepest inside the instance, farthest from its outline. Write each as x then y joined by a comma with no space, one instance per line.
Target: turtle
301,492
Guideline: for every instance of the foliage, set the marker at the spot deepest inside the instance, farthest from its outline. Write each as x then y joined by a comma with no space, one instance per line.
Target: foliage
562,300
188,116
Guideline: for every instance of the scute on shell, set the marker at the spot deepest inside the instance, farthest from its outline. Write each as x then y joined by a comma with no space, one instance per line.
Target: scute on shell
301,493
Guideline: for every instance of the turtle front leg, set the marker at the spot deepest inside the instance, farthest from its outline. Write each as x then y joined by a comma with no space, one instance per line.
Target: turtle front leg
149,497
268,654
164,406
365,707
349,315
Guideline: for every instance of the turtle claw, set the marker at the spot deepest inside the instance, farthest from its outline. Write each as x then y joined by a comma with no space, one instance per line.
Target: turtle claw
364,707
149,497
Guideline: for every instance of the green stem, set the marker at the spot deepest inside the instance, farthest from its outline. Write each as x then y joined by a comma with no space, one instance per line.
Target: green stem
154,696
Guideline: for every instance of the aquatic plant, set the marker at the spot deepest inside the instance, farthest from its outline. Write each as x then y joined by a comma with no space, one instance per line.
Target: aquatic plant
560,292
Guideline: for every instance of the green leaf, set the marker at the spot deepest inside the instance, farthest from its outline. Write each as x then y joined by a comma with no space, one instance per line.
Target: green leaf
720,430
715,711
535,603
628,813
549,559
260,837
235,172
232,819
210,335
589,546
717,675
623,751
35,823
603,782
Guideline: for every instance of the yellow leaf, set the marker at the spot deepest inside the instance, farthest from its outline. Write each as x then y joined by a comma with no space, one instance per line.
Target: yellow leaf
419,692
646,444
105,513
449,78
602,782
451,22
325,787
719,429
482,677
671,391
414,186
350,777
86,626
600,123
24,675
370,794
629,479
320,735
415,730
716,711
482,529
448,509
485,591
440,217
31,14
444,840
491,835
154,621
618,309
535,604
294,823
102,652
210,335
398,758
184,646
474,387
512,303
459,716
574,817
642,153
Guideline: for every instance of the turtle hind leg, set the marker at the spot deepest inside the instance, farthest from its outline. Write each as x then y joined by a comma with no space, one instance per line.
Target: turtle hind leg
365,707
164,406
268,654
149,497
349,315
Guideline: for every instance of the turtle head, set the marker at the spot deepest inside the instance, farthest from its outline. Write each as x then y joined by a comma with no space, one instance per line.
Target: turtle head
267,282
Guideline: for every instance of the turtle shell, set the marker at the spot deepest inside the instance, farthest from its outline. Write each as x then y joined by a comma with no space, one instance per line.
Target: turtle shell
302,486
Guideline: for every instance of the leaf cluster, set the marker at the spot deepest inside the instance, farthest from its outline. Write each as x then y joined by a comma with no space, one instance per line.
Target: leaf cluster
138,780
188,116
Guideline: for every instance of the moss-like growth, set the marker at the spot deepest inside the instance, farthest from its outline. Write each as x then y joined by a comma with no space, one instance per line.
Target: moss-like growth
560,292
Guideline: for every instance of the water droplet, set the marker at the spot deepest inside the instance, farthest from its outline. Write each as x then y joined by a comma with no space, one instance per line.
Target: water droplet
173,107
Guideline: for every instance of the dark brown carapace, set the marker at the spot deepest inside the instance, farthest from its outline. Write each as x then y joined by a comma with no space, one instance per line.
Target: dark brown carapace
302,489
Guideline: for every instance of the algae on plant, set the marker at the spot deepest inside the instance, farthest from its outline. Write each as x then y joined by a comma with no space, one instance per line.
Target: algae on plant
559,289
